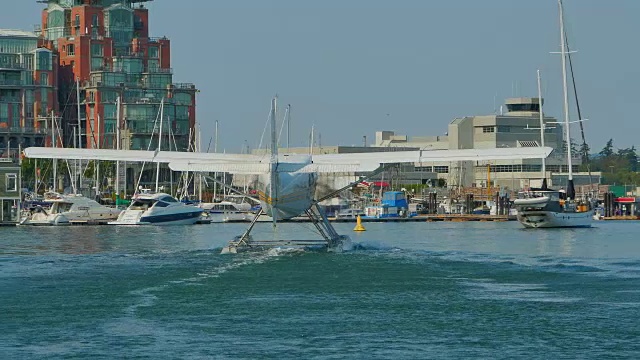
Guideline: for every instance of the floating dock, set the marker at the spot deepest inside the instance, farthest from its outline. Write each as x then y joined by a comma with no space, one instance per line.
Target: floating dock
434,218
622,217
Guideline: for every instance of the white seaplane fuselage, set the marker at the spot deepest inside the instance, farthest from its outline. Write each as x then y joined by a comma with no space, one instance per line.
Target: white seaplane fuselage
294,189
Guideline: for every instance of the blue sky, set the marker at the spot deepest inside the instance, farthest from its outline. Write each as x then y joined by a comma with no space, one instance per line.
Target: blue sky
352,67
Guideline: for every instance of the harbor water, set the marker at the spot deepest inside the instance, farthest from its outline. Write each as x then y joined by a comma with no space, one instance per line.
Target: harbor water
405,291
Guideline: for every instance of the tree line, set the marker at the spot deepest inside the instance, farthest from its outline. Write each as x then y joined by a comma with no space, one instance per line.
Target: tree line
618,166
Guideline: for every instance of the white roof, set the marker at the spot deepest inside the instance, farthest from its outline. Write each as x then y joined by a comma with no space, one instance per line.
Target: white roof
17,33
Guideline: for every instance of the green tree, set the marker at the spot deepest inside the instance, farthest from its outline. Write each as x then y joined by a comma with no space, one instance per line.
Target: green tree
629,158
584,152
608,149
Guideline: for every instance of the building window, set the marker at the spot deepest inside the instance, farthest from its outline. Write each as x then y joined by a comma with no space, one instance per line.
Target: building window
97,50
4,113
488,129
44,79
504,129
71,50
11,180
441,169
77,20
153,65
531,168
97,64
44,60
153,52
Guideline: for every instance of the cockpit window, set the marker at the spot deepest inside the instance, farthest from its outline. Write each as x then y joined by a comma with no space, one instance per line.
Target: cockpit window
141,204
161,204
168,199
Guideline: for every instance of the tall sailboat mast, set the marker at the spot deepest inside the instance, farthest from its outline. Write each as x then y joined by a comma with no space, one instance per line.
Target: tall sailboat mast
55,161
79,134
563,54
118,145
199,174
159,143
215,175
274,160
542,131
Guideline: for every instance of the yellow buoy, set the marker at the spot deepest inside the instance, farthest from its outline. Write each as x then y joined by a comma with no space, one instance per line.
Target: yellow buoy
359,226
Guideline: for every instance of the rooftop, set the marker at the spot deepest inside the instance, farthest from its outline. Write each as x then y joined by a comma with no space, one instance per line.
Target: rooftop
17,33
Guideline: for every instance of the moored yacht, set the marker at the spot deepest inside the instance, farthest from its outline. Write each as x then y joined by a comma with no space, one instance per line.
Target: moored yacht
66,209
158,209
233,208
551,209
546,208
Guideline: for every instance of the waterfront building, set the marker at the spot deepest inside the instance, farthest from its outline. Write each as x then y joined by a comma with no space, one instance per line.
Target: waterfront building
28,91
519,126
9,191
106,52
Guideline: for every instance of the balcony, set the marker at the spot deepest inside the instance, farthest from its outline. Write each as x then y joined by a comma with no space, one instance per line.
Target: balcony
184,86
22,130
160,70
11,83
12,67
157,39
128,54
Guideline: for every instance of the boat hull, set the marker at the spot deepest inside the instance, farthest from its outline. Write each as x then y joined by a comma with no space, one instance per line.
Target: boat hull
551,219
137,217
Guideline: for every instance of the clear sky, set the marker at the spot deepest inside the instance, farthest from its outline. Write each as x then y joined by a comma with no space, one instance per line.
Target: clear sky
352,67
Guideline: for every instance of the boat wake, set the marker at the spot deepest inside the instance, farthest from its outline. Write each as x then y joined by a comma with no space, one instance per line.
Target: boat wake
488,289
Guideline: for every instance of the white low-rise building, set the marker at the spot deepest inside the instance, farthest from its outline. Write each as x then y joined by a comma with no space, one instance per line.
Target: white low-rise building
519,126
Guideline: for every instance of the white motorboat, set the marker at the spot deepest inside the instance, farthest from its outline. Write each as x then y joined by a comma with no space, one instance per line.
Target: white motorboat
226,211
233,208
158,209
549,209
66,209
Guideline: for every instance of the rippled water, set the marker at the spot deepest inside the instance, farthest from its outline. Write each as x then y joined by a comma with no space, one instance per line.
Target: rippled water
417,290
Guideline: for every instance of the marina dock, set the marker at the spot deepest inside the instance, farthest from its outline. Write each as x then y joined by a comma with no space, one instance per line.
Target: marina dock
433,218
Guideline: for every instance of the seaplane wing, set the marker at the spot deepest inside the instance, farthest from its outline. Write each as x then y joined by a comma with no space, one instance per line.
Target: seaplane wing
254,168
138,155
356,162
260,164
371,161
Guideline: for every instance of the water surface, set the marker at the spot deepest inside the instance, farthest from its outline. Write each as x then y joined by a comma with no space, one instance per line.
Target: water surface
415,290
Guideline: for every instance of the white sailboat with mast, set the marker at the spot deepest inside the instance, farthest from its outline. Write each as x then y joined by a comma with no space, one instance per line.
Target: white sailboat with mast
546,208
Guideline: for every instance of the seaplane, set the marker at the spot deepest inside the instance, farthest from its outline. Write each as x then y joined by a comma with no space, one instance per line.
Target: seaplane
288,181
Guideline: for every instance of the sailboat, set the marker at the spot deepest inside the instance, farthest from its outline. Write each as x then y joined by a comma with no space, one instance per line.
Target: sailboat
157,208
545,208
